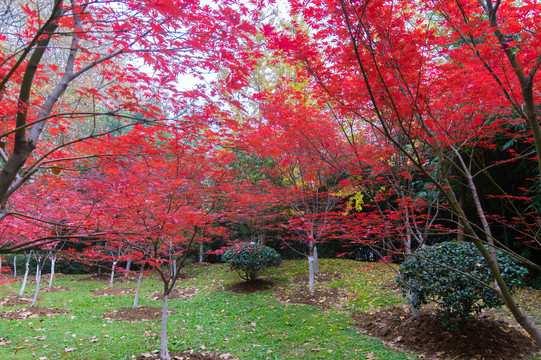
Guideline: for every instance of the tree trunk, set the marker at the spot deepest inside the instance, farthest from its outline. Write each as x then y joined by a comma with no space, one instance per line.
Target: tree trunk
311,274
164,352
26,270
38,279
201,252
128,266
316,260
136,299
112,274
414,304
15,265
53,261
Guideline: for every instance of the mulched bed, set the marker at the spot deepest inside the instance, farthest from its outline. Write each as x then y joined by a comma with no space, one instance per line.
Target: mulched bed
322,297
13,300
188,356
31,313
114,291
178,293
248,287
142,313
482,338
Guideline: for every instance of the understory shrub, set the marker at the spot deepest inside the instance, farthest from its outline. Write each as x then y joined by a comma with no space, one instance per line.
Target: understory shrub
457,295
250,260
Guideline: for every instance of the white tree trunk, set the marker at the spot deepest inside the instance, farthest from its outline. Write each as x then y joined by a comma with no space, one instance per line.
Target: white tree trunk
26,271
316,262
128,266
38,278
311,274
53,261
201,252
164,352
136,299
15,265
112,274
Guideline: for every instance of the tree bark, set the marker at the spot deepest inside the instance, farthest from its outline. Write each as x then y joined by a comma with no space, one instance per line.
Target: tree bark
53,261
26,270
136,298
112,274
128,266
164,352
311,286
38,279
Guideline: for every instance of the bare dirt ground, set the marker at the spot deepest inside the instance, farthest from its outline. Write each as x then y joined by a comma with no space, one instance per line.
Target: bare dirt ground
31,313
177,293
483,337
142,313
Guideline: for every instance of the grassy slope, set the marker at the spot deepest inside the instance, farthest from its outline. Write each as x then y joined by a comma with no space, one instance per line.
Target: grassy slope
254,326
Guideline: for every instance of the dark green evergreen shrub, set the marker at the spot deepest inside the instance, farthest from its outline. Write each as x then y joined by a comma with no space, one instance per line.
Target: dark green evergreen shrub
457,295
250,260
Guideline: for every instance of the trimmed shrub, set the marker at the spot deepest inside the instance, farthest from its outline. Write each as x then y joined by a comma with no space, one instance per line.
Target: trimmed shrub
250,260
457,295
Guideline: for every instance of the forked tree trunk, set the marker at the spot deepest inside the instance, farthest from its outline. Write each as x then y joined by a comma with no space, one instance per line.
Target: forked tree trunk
53,262
26,271
136,298
164,352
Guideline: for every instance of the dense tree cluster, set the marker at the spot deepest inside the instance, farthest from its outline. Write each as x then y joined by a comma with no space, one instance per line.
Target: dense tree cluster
147,132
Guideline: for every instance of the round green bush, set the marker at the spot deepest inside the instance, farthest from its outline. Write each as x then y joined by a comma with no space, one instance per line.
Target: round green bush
457,295
250,260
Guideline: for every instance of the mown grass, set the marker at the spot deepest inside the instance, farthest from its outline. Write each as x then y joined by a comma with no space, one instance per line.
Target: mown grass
247,326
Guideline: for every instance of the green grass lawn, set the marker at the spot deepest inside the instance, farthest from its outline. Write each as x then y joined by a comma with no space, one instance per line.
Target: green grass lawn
247,326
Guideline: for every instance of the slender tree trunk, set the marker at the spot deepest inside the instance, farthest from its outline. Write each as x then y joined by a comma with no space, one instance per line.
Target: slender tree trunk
136,298
311,285
128,266
38,279
112,274
201,252
164,352
15,265
53,261
316,260
26,271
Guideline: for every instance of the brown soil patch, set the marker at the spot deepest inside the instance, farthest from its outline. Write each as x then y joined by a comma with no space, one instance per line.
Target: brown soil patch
248,287
142,313
31,313
188,356
303,279
115,291
54,289
322,297
481,338
178,293
17,300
